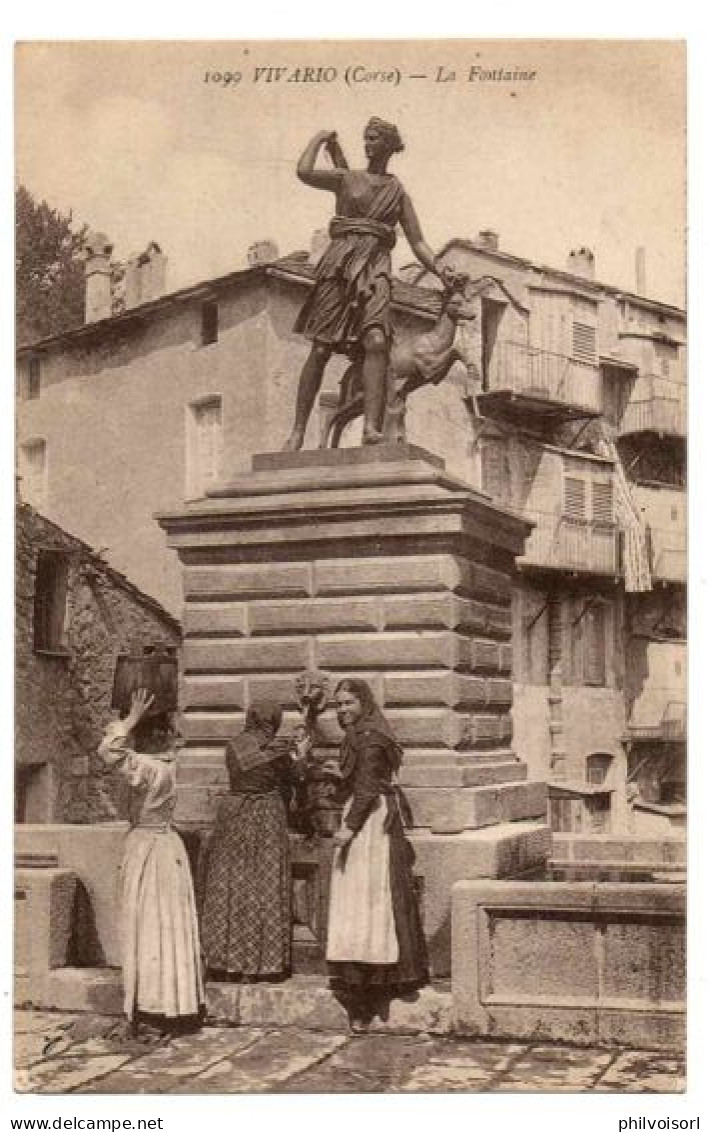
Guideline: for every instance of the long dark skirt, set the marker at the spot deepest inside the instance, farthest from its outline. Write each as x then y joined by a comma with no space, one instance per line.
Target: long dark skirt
246,920
411,968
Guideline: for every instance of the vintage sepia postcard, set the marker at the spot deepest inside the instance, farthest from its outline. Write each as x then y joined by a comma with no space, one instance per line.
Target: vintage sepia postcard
351,624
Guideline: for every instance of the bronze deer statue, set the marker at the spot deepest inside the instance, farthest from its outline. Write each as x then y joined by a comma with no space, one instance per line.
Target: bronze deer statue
422,360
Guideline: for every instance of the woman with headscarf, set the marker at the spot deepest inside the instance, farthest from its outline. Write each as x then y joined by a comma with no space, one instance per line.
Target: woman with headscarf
348,310
246,912
162,973
375,945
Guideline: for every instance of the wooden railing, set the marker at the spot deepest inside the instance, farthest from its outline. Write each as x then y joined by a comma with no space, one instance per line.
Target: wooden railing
543,375
671,727
560,542
668,554
657,405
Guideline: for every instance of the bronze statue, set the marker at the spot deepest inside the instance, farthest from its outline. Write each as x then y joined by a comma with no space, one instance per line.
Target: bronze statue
348,310
421,360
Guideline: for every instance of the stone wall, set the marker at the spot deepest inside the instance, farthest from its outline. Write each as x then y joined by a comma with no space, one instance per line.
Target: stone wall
594,964
63,698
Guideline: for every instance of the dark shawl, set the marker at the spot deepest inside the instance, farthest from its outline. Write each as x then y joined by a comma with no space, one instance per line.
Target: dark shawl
253,747
371,723
372,727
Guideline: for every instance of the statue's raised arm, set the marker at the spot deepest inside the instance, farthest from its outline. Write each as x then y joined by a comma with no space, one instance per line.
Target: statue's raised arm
348,310
322,178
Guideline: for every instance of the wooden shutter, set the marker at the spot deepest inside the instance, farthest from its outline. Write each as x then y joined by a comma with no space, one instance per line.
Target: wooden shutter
594,645
597,768
34,379
602,501
50,591
210,322
556,634
34,473
584,342
575,497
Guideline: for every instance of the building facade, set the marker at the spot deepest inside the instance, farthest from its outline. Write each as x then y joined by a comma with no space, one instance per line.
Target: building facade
74,616
569,409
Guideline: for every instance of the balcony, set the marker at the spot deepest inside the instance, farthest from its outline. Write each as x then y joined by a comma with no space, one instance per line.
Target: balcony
561,542
671,727
668,554
657,406
521,379
663,511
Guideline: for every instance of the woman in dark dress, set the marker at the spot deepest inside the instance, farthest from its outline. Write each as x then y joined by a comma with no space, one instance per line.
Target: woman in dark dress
348,309
246,914
375,945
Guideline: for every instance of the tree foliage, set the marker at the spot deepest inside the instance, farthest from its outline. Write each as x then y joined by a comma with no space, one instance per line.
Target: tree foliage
49,272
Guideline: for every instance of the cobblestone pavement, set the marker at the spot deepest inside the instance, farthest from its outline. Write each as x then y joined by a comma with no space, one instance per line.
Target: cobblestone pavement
79,1053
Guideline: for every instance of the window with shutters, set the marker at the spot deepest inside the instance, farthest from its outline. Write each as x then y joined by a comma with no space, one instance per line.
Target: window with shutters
594,645
584,342
574,497
602,501
204,445
34,379
50,590
33,473
210,322
665,358
598,768
598,809
561,815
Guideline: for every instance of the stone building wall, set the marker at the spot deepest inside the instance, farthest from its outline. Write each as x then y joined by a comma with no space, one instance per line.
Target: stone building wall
63,696
113,460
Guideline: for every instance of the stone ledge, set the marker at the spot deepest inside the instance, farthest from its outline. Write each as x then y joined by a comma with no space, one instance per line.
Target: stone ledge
343,457
303,1001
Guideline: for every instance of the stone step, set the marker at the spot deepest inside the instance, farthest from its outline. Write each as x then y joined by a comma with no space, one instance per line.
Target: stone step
303,1001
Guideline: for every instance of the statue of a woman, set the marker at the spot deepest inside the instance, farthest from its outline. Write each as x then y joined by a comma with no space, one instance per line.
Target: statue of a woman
349,309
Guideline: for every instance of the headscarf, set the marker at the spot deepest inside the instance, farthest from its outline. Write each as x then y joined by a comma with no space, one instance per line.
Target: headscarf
371,722
252,748
388,131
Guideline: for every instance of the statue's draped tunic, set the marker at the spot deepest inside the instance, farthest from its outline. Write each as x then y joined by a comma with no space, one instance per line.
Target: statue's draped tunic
352,292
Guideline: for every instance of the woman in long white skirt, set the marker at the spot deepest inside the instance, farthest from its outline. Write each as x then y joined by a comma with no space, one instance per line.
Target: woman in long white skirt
375,944
162,973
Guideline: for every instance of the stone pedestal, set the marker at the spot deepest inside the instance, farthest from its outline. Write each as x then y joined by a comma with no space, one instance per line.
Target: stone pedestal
370,562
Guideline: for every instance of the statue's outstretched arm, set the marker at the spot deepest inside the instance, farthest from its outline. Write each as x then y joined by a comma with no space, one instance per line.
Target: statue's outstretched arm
321,178
413,233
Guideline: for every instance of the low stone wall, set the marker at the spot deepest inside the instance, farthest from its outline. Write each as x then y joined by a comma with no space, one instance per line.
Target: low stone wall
45,902
592,963
92,853
615,850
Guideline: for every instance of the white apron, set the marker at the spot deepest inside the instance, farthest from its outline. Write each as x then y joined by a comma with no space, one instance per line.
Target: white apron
162,971
161,955
361,926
